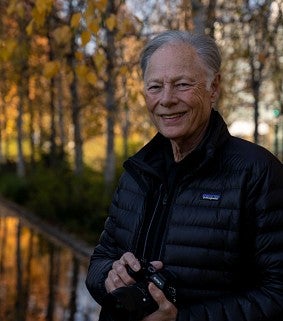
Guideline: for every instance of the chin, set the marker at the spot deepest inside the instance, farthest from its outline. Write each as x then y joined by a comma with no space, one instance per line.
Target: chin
171,136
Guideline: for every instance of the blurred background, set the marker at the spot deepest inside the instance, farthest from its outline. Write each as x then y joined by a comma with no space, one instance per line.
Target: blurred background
72,110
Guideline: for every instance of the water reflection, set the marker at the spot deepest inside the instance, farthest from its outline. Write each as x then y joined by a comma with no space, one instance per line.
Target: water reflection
39,280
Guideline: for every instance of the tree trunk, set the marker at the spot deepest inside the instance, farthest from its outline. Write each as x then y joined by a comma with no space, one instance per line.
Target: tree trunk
20,161
53,148
1,134
199,16
257,46
256,81
126,127
76,122
61,123
7,139
110,163
23,89
210,17
78,162
31,134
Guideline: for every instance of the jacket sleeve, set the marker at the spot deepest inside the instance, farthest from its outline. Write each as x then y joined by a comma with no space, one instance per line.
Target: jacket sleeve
100,264
263,302
117,238
104,254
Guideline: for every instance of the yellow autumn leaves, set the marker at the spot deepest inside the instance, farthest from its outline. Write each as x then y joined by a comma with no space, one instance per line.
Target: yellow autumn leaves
83,72
83,26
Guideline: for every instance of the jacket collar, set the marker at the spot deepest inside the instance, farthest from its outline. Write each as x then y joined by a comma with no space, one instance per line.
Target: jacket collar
151,157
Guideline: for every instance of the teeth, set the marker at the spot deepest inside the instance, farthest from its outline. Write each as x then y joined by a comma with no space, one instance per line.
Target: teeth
172,116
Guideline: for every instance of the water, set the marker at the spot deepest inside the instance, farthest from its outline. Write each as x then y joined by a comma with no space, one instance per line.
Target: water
40,279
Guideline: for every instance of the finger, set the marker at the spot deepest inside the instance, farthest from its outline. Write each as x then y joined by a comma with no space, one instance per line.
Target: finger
119,266
120,271
157,264
129,259
109,286
113,281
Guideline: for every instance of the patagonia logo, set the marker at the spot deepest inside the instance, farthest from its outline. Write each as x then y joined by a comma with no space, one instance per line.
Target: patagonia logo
211,196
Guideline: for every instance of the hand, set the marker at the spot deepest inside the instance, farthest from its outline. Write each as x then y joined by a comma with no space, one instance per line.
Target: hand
166,311
118,276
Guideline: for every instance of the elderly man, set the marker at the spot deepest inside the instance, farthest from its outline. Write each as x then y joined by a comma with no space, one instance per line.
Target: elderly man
203,209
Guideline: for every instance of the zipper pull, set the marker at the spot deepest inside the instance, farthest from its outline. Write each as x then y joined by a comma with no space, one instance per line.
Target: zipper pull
165,198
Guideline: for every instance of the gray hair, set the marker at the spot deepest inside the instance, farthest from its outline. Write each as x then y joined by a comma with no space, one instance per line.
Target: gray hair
204,45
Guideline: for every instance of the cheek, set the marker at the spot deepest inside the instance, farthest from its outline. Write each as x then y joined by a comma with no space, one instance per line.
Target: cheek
198,95
150,102
200,101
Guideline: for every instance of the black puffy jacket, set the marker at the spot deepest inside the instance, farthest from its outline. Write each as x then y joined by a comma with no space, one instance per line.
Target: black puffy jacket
220,229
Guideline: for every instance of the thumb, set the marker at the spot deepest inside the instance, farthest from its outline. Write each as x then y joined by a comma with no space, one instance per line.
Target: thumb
156,293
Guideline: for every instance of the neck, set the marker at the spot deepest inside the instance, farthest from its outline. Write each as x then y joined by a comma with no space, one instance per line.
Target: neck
180,152
182,148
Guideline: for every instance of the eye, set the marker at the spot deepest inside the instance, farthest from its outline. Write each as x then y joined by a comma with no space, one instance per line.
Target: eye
154,88
182,85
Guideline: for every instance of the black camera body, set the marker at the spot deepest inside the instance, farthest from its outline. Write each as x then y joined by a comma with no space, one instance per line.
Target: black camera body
134,302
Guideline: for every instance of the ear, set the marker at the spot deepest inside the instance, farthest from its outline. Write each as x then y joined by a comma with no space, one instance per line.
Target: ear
215,88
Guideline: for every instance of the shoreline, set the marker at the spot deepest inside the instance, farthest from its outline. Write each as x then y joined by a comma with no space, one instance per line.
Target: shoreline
80,248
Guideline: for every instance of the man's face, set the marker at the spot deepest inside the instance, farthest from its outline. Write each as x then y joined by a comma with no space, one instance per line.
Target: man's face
177,97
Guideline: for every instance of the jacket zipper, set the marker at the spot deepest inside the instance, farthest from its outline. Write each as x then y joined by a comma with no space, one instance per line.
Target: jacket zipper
148,243
161,228
152,224
156,227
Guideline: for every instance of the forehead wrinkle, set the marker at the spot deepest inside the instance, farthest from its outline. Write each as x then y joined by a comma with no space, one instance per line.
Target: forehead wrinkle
172,80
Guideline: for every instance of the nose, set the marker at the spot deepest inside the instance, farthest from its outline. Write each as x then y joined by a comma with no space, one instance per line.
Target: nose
168,97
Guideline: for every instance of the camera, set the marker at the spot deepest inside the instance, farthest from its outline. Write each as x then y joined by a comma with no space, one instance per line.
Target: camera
134,302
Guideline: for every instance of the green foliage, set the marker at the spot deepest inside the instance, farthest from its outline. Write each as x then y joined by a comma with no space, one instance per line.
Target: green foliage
12,186
75,203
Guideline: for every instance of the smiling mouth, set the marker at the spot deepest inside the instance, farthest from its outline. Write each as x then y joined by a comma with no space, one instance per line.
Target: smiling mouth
172,116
